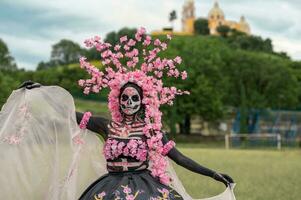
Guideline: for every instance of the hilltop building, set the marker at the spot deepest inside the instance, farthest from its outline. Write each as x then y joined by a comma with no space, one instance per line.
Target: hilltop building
216,18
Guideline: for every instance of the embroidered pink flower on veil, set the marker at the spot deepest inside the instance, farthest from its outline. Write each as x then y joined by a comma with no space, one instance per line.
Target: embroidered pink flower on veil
136,60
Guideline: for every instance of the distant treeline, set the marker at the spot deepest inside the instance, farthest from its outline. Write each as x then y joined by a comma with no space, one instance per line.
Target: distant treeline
234,70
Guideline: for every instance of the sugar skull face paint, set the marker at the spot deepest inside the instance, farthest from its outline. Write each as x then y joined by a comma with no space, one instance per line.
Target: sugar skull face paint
130,101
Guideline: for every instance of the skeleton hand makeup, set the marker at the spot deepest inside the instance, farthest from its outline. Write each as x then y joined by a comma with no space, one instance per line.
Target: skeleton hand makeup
130,101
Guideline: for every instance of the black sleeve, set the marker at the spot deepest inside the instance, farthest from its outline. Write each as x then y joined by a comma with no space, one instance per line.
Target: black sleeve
98,125
186,162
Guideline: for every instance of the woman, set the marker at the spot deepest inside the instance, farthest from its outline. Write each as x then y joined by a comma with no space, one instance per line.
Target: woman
128,175
136,147
38,133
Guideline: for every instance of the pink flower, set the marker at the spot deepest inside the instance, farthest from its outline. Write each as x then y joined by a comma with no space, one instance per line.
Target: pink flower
117,47
85,120
138,37
87,90
101,195
134,148
95,89
163,46
127,190
78,140
88,43
81,82
184,75
157,42
123,39
164,191
126,47
97,38
158,74
135,52
106,54
141,31
131,42
178,59
14,139
130,197
167,147
147,40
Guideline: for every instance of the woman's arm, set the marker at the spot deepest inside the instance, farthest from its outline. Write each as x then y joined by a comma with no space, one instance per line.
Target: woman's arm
191,165
98,125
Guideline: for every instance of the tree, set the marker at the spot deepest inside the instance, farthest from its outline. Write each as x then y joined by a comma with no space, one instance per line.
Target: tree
295,66
8,83
250,42
267,45
172,17
259,81
202,61
201,26
236,33
113,37
91,54
220,76
130,32
65,52
6,60
223,30
43,65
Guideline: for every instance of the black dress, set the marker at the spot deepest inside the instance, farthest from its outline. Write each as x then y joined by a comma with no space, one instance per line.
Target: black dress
128,177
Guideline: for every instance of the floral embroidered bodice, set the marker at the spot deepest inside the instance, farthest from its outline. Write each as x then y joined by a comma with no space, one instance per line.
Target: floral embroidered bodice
125,148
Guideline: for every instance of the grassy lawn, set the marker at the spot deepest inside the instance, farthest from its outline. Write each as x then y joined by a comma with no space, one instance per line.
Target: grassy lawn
260,175
97,108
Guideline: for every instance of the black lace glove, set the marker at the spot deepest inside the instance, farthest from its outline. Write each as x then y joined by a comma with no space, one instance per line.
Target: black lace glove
30,85
96,124
193,166
224,178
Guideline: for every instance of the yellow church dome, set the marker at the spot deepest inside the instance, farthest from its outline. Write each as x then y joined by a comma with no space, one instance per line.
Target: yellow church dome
216,13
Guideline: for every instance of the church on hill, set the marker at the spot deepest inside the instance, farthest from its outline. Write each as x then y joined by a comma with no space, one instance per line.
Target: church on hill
216,18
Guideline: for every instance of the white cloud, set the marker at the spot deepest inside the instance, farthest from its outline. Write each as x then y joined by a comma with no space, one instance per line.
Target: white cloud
28,52
77,20
28,46
26,65
292,47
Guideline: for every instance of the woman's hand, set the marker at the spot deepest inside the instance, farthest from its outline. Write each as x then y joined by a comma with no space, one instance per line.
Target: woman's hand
30,85
224,178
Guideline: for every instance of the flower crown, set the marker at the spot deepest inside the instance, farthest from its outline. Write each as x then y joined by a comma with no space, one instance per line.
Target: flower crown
136,60
146,71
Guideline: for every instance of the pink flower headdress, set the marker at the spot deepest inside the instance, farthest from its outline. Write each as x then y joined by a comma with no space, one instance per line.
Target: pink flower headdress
134,60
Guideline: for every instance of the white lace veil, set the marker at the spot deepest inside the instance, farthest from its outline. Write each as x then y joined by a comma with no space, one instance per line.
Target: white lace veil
44,154
40,147
228,194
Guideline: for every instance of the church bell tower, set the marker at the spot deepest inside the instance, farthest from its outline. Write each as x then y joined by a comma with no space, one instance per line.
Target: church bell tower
188,17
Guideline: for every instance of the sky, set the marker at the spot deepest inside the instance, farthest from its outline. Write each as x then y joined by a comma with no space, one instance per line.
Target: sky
31,27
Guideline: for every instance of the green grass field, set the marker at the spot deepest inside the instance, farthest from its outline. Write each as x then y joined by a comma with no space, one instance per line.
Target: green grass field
97,108
260,175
